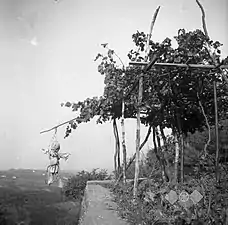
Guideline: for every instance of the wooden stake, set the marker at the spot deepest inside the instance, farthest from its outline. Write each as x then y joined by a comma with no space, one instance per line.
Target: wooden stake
203,18
117,149
123,142
182,157
140,95
137,158
215,91
177,153
216,133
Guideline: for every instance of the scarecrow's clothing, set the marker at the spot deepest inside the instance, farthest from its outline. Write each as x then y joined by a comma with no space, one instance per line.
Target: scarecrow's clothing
54,157
50,179
54,168
54,163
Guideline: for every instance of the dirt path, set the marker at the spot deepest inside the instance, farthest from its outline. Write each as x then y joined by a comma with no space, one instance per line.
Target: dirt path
100,209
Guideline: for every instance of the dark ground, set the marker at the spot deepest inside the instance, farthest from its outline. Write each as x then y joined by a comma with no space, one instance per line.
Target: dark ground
29,200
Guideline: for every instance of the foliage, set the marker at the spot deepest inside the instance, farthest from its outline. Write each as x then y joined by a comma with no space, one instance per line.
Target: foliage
75,186
144,169
179,90
172,98
198,139
175,92
89,108
179,95
171,95
117,82
151,204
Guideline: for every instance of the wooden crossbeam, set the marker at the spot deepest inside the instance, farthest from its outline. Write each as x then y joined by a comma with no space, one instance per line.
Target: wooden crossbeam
55,127
200,66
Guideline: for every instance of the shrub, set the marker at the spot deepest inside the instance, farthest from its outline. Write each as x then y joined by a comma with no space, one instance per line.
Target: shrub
151,205
75,186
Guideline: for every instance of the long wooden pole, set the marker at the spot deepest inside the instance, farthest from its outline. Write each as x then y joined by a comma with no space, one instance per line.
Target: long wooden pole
140,95
216,133
200,66
137,158
123,142
76,118
117,149
215,91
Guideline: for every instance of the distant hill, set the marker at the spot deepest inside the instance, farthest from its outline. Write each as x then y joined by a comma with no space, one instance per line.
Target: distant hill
33,172
73,172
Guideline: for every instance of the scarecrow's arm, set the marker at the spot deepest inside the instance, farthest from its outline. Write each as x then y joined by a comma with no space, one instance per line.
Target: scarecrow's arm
46,151
64,155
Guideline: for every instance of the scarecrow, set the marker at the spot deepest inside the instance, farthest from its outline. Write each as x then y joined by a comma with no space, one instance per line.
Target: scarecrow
54,157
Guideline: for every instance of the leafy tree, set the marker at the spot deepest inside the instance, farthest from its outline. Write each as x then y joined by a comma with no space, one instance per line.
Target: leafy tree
118,81
185,94
174,97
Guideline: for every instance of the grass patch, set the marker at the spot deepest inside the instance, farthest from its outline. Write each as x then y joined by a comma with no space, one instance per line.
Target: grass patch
29,200
151,207
35,207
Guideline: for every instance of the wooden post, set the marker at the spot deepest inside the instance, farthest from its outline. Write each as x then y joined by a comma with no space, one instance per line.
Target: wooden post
216,133
182,157
181,147
138,137
123,142
215,92
134,156
117,149
140,95
177,153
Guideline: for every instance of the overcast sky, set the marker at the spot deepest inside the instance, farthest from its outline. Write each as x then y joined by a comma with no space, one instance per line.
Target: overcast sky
47,52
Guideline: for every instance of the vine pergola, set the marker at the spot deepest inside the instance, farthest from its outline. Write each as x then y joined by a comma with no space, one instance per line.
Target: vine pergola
145,67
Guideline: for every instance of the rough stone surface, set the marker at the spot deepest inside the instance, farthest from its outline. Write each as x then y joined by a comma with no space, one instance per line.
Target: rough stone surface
98,207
